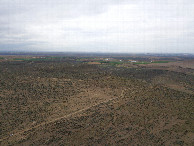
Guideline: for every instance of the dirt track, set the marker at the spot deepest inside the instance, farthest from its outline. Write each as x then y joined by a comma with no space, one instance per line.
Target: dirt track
64,117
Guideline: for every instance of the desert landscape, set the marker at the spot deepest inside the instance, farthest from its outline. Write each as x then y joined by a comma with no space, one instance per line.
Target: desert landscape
96,72
96,99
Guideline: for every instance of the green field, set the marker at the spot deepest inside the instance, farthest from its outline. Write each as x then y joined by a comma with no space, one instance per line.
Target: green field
141,63
160,61
152,62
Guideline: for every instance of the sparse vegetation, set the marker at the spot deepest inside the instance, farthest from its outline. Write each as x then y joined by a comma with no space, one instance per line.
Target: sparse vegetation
64,100
110,62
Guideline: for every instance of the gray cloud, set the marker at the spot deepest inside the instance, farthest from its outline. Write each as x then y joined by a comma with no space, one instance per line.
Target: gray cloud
97,25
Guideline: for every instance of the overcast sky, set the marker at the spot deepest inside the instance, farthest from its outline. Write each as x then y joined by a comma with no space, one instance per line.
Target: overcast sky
148,26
